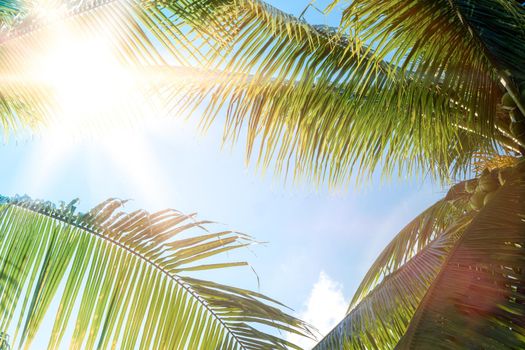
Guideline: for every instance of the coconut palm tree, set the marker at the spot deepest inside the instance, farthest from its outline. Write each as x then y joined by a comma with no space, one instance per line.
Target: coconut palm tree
433,88
452,278
109,278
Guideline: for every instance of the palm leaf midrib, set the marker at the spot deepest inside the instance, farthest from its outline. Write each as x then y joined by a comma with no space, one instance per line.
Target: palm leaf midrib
92,229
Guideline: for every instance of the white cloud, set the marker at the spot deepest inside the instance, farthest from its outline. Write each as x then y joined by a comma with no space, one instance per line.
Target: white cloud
325,307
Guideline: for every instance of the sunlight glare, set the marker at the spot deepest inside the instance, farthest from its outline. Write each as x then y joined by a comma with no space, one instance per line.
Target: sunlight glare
96,99
92,88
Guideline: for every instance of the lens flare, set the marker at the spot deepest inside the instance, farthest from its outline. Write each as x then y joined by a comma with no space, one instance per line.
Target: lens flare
92,88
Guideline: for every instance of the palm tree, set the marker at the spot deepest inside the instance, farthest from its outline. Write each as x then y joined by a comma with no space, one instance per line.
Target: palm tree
423,87
109,278
452,278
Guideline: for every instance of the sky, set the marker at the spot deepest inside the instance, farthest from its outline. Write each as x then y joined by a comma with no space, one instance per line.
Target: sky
320,243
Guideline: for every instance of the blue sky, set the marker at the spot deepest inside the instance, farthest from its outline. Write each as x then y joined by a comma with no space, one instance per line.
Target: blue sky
321,242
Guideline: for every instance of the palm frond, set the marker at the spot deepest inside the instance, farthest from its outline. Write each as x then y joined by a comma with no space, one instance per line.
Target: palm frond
499,29
407,271
390,292
139,35
463,45
478,298
351,106
8,10
309,97
492,162
120,280
413,238
381,318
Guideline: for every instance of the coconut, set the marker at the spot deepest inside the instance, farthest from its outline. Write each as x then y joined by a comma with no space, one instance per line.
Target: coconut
476,200
503,175
515,115
507,102
518,129
488,197
488,183
470,186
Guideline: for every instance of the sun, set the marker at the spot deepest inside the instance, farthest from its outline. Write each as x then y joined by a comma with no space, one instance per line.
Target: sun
98,104
92,89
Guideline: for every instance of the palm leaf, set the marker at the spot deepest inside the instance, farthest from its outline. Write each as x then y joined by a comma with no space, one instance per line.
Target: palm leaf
470,47
337,104
8,10
464,45
477,300
413,238
141,35
390,292
499,28
311,99
414,266
284,129
120,280
381,318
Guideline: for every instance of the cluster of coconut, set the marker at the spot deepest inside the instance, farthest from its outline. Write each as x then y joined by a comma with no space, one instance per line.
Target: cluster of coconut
517,120
484,188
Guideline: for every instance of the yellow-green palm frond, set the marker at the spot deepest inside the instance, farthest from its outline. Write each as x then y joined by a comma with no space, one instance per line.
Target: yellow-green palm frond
482,298
323,132
463,45
381,318
478,298
142,37
414,237
390,292
347,105
116,279
62,41
491,162
313,101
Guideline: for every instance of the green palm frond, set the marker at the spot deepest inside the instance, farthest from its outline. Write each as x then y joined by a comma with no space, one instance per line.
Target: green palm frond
413,238
499,28
311,99
381,318
337,104
120,280
323,135
429,270
8,10
477,300
389,294
416,265
463,45
4,342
